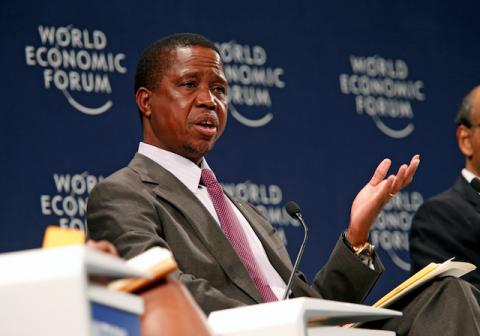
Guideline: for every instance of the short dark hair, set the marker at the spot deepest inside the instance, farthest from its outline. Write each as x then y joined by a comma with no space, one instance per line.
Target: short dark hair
156,59
464,115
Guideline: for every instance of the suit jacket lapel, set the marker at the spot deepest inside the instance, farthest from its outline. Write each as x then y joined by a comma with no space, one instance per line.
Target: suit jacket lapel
170,189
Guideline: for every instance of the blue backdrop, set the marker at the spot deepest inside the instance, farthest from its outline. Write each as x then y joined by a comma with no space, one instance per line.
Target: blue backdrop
320,93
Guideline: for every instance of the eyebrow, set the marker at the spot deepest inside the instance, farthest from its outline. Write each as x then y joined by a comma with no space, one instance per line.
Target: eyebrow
219,78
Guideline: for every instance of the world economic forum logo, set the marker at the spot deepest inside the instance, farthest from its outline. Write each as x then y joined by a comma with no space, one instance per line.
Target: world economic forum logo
268,199
66,203
392,226
77,63
383,92
251,81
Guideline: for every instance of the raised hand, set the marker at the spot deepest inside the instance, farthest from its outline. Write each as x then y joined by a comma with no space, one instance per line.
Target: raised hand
372,198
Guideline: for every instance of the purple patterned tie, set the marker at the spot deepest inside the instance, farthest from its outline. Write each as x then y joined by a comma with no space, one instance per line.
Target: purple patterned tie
233,231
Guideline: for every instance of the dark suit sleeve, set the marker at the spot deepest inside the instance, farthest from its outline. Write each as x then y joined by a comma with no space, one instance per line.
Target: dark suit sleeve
440,230
427,237
344,277
127,217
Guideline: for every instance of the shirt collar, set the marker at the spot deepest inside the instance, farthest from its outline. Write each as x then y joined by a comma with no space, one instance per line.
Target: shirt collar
468,175
183,169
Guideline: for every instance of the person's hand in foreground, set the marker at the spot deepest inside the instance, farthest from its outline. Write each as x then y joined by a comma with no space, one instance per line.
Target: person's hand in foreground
103,246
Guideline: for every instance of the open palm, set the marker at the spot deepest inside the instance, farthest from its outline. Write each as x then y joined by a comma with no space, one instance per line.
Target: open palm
372,198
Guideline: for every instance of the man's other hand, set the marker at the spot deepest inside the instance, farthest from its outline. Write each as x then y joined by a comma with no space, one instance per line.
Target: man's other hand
372,198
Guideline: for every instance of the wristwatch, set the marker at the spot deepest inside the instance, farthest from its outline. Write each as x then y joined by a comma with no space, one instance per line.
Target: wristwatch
364,252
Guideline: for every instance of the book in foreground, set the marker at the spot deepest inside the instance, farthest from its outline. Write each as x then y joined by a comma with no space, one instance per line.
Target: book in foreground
157,261
429,272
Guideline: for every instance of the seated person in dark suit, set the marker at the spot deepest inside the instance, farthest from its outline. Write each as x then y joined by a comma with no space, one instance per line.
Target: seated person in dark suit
228,254
448,224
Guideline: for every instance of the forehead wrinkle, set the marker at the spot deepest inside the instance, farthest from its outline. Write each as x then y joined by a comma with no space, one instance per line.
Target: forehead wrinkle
189,72
204,62
192,61
193,54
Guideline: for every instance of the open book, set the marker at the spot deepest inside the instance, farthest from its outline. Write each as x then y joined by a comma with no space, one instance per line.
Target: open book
157,261
431,271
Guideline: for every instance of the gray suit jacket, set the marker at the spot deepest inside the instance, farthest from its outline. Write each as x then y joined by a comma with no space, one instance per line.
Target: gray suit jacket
143,205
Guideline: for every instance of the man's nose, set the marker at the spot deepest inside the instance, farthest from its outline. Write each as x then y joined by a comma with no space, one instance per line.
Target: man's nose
205,98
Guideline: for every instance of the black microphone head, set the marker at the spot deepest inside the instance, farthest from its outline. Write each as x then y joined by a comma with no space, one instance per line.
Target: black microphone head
293,209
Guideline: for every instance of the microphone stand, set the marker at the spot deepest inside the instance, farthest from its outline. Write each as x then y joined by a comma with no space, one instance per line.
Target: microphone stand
296,215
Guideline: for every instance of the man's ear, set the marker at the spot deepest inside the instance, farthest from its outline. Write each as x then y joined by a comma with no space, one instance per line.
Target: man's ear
464,141
142,97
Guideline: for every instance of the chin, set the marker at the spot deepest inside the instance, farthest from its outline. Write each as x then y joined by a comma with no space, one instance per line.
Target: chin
196,152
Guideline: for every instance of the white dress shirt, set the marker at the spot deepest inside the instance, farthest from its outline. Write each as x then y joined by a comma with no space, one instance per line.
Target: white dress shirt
469,176
189,174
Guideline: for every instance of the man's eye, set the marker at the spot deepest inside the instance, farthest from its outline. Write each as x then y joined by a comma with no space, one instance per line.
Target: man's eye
220,89
189,85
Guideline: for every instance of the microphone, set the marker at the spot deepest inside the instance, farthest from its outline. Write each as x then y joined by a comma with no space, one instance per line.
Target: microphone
294,211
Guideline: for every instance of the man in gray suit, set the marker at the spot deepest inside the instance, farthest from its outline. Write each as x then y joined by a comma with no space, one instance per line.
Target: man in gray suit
166,196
